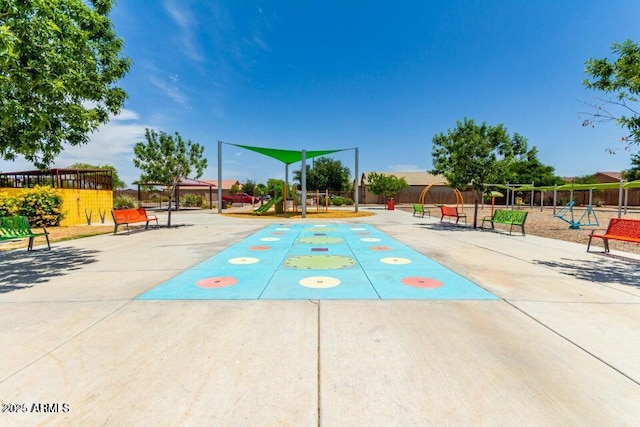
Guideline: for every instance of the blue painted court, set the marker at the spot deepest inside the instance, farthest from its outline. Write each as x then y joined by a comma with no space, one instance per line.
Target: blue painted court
318,261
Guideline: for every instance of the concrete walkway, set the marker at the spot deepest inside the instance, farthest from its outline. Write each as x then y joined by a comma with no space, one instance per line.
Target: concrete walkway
561,346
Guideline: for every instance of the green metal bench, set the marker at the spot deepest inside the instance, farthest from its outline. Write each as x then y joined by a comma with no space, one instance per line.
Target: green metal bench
17,227
419,208
508,217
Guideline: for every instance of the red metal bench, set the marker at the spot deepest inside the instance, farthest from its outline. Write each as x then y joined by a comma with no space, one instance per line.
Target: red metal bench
452,212
131,216
626,230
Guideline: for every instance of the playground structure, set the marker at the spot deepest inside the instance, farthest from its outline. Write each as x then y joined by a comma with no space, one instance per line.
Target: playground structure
567,211
427,191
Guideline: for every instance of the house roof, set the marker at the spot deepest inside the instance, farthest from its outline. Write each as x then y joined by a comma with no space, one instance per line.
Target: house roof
610,176
412,178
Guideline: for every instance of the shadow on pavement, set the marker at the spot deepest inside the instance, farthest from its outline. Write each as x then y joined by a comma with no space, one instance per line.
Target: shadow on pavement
22,269
608,269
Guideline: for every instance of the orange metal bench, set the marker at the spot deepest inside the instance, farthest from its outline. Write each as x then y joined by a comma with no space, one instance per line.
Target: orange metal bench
131,216
626,230
452,211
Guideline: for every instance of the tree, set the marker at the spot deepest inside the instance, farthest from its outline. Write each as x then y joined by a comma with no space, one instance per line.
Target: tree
166,159
116,182
59,65
620,78
529,169
474,154
386,185
249,187
235,189
633,173
326,174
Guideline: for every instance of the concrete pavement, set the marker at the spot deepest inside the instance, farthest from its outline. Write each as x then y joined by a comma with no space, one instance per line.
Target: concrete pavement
561,346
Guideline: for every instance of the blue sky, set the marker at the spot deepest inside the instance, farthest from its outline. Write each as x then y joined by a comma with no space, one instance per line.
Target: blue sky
380,75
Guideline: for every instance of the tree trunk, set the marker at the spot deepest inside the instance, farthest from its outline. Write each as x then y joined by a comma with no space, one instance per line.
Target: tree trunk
475,209
169,212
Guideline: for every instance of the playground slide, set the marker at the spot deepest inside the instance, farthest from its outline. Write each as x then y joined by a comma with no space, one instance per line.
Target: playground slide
264,208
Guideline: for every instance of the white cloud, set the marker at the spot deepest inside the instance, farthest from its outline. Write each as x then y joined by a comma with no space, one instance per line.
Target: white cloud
170,90
185,20
110,144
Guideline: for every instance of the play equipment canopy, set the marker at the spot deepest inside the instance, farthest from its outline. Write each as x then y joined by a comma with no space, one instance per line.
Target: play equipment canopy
288,156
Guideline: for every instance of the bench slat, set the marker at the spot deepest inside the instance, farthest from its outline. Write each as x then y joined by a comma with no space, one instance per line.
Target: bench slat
507,217
131,216
17,227
623,229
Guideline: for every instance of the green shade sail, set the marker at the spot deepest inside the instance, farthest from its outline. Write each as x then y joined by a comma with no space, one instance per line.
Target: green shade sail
288,156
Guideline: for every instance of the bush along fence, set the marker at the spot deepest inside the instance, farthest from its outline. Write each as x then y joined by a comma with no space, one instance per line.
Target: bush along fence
41,205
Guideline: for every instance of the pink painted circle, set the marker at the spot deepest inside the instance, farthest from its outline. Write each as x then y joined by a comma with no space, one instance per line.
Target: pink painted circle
216,282
421,282
259,248
380,248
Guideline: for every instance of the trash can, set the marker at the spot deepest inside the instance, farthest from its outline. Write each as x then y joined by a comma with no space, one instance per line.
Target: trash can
391,204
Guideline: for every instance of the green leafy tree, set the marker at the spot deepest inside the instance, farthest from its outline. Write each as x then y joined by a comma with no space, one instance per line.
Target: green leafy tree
116,182
529,169
474,154
620,78
386,185
584,179
275,187
59,65
325,174
249,187
235,189
166,159
633,173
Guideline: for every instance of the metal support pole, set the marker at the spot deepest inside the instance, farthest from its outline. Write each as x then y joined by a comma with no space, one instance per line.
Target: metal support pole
219,176
620,199
356,194
626,200
303,184
286,187
532,193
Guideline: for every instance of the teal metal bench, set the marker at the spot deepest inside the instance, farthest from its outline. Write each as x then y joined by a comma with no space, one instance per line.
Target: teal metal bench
419,208
508,217
17,227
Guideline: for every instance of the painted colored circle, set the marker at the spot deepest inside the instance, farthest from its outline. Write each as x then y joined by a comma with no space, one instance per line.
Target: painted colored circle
363,233
259,248
243,260
370,239
319,282
380,248
320,225
421,282
269,239
320,240
320,230
357,229
216,282
395,261
276,233
283,229
319,249
319,262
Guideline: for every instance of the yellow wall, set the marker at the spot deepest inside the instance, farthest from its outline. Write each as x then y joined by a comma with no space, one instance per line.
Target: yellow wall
76,202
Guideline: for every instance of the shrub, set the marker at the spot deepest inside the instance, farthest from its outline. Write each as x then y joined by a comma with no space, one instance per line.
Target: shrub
191,200
124,202
348,201
42,205
337,201
7,205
